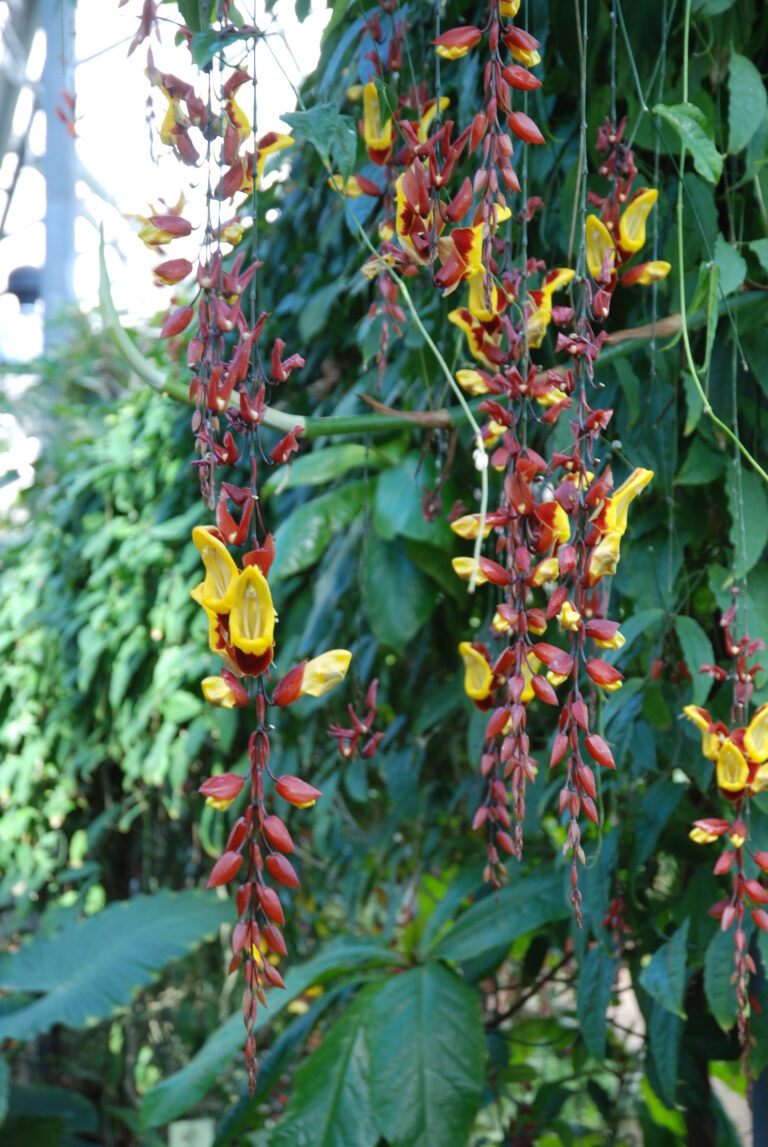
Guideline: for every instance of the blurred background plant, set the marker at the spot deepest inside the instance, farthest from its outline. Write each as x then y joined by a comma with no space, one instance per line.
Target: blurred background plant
503,1023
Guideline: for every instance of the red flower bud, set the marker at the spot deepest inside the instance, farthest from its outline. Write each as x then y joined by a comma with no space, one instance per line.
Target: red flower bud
463,38
289,689
559,749
524,128
172,270
225,868
724,863
271,973
270,904
504,841
599,751
520,78
224,787
544,690
274,938
177,322
755,891
602,673
282,870
760,918
277,834
296,791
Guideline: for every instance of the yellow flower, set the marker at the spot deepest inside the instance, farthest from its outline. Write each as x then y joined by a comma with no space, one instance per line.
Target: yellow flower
509,9
477,301
569,617
426,120
701,836
232,233
477,672
632,222
530,667
648,273
252,616
732,768
599,244
619,502
556,679
215,592
469,526
376,138
472,382
545,571
614,642
325,672
760,780
756,736
267,145
605,557
463,567
350,188
477,336
218,693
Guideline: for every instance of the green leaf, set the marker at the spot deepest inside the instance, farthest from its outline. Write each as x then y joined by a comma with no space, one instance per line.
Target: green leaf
76,1112
520,907
331,1103
703,464
733,266
748,538
596,977
92,967
747,102
5,1079
399,598
697,134
427,1058
665,1032
181,1091
664,977
697,651
321,466
27,1129
760,248
718,969
191,14
397,508
302,537
331,133
206,44
657,806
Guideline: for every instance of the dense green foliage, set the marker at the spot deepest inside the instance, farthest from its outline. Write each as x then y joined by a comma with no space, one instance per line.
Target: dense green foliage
447,1015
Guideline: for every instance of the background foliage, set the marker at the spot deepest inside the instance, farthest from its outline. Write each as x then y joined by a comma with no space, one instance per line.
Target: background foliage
419,1010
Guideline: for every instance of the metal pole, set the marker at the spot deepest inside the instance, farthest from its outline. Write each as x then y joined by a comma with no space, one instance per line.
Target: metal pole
59,164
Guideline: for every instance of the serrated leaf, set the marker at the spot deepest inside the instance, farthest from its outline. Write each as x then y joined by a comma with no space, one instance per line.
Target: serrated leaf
747,102
520,907
182,1090
697,651
596,976
427,1058
696,133
330,1104
664,977
332,134
302,537
92,967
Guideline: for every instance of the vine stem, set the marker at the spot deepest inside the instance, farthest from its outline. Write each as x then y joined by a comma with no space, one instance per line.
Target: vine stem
706,407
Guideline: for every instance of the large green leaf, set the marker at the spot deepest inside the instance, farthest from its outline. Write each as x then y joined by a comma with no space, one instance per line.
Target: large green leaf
92,967
181,1091
749,520
718,969
696,133
321,466
302,537
697,651
427,1058
397,510
596,977
330,132
331,1102
665,1032
399,598
522,906
747,102
664,977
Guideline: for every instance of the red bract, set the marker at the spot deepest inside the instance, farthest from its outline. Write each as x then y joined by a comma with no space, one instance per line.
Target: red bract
224,787
282,871
225,869
296,791
524,128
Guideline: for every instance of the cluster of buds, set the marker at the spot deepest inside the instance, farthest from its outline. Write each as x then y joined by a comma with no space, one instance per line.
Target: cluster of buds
232,383
740,756
349,739
618,233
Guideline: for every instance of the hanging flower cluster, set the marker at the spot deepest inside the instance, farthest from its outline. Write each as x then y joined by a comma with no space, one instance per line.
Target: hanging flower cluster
233,377
740,756
615,236
558,523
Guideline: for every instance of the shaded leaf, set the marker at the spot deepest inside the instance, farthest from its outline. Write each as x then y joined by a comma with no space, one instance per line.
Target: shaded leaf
427,1058
399,598
718,969
696,134
747,102
301,538
664,977
697,651
596,976
665,1032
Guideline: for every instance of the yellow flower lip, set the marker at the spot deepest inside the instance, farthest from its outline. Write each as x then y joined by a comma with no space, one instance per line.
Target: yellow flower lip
463,567
599,244
621,498
756,735
252,616
732,769
325,672
632,222
376,137
477,672
215,592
